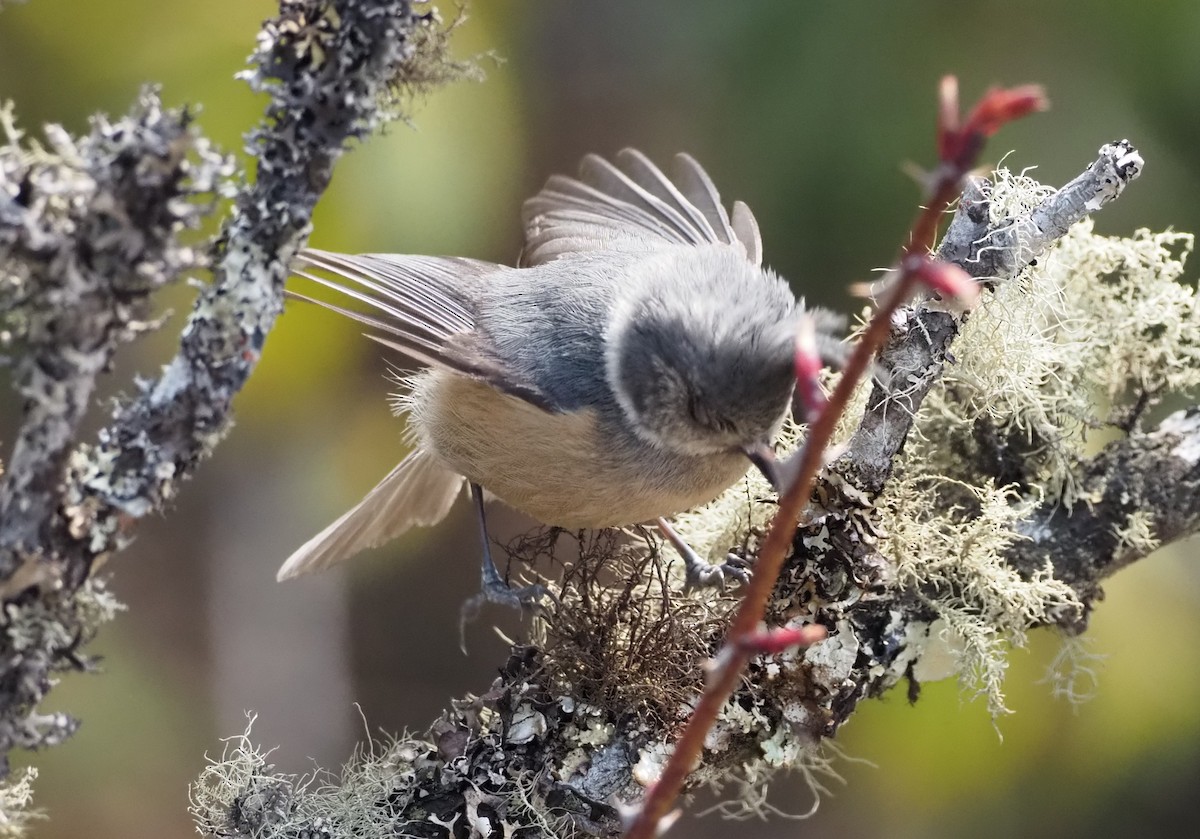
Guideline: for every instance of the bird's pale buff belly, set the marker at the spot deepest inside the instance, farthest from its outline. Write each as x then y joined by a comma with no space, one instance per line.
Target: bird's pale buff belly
554,466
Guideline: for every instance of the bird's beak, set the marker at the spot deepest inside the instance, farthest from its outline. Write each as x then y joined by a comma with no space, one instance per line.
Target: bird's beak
763,456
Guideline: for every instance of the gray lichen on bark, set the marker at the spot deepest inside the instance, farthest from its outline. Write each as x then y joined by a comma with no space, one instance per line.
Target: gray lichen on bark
992,251
90,228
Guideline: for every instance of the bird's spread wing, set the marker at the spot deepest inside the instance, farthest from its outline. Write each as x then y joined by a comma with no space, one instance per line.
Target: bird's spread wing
630,205
419,306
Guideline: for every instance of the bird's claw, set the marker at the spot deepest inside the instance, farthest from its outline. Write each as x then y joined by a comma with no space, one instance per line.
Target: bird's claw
701,574
497,591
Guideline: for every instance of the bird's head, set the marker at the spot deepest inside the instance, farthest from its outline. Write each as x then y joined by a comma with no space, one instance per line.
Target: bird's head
702,362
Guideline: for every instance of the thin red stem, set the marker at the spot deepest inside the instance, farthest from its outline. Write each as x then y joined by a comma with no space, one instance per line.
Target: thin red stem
661,797
736,653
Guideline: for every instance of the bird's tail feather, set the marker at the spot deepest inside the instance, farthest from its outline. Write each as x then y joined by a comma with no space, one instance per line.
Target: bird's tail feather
418,492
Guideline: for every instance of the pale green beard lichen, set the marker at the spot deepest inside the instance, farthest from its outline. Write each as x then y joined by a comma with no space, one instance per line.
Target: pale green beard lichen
1072,675
16,796
1098,328
241,793
1067,347
947,540
1082,341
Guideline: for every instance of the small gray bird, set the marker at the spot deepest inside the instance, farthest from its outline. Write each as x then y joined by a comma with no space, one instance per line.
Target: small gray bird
625,370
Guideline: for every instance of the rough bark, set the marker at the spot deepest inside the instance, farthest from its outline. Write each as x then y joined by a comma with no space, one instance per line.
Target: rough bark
1155,474
87,233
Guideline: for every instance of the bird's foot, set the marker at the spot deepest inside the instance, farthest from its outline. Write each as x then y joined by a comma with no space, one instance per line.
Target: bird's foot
501,593
701,574
493,589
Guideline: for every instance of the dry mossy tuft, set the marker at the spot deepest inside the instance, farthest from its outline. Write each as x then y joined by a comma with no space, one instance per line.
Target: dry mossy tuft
241,794
624,639
430,65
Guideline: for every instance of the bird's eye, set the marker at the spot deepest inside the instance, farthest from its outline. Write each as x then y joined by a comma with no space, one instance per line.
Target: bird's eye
699,414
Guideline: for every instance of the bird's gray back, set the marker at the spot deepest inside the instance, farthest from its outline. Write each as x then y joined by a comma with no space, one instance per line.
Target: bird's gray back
546,324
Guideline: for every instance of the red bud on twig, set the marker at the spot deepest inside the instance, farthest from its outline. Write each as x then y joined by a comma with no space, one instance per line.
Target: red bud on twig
771,641
999,106
957,145
949,281
807,361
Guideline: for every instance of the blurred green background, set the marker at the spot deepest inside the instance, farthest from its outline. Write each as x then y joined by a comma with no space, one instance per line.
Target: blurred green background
806,110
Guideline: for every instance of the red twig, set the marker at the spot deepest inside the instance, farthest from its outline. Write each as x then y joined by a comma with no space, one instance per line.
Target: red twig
958,146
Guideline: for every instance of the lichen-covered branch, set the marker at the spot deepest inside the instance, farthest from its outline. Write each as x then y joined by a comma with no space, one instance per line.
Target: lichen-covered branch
920,342
920,566
88,230
1141,492
963,512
